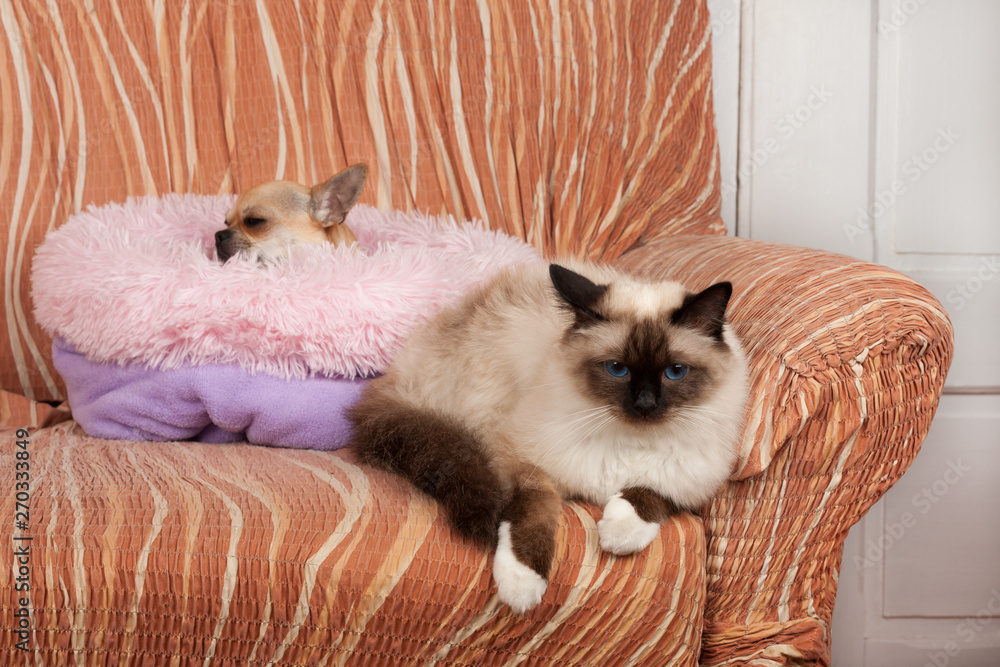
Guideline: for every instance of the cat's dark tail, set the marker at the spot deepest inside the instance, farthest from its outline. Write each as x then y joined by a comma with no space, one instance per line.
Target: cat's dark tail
438,455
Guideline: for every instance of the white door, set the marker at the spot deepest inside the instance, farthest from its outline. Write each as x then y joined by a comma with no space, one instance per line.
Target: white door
872,128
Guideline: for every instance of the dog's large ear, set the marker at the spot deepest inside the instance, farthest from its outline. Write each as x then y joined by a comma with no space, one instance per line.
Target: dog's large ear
333,199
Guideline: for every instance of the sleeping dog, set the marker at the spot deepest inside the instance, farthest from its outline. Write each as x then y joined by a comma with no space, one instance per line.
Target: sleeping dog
268,219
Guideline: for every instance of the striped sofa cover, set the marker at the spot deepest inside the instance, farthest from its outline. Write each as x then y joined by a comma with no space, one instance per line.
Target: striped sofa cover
585,128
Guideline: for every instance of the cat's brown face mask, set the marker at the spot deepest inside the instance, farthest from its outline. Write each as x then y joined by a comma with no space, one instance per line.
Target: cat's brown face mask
645,366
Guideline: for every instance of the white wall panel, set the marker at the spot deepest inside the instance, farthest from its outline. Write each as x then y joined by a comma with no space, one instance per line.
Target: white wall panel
941,528
949,134
972,299
804,155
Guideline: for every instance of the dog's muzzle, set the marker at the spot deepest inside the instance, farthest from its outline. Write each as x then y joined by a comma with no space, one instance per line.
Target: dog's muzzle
224,244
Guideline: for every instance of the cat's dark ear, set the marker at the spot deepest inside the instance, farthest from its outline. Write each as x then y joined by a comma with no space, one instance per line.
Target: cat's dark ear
578,292
705,312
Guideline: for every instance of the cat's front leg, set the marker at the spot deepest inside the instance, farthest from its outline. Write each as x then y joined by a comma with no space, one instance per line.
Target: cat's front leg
632,520
526,542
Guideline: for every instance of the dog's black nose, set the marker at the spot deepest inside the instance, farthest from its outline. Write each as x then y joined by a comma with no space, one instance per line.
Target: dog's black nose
222,243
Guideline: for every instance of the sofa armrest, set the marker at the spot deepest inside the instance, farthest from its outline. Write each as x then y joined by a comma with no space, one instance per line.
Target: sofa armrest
848,361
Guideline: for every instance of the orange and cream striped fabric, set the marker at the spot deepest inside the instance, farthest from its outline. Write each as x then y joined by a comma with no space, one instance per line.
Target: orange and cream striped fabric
184,554
584,128
848,363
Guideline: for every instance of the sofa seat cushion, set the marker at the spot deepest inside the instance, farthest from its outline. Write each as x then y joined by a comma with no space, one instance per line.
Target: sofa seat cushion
250,554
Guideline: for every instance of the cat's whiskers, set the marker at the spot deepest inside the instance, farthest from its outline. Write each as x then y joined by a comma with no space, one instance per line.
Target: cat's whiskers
701,410
586,412
570,429
581,415
683,421
598,426
691,418
546,384
581,419
595,418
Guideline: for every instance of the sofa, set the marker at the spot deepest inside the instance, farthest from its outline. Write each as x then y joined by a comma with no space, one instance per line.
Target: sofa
585,129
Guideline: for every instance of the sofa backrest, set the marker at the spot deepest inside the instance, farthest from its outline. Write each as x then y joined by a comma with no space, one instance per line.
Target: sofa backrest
582,127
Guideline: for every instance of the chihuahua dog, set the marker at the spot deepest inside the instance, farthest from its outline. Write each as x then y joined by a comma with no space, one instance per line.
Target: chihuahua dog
268,219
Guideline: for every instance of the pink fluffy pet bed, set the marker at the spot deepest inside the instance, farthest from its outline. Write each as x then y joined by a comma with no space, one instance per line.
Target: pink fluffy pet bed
155,339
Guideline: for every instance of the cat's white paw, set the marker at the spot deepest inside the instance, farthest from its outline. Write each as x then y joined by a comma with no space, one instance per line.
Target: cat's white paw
622,531
518,586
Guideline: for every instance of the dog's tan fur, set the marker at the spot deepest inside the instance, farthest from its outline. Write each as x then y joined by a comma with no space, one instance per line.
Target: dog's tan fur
268,219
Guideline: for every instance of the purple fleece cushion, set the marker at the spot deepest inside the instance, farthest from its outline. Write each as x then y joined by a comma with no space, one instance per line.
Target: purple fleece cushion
209,403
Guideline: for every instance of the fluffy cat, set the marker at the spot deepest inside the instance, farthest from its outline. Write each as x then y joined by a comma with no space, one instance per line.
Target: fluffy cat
550,383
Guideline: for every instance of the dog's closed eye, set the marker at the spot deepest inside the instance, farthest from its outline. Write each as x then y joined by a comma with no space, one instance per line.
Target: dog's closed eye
253,222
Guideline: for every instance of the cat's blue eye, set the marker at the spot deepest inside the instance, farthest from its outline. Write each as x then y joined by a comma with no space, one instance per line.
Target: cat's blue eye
676,371
616,368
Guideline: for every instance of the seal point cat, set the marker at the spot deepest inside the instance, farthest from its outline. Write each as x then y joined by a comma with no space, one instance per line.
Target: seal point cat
561,382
